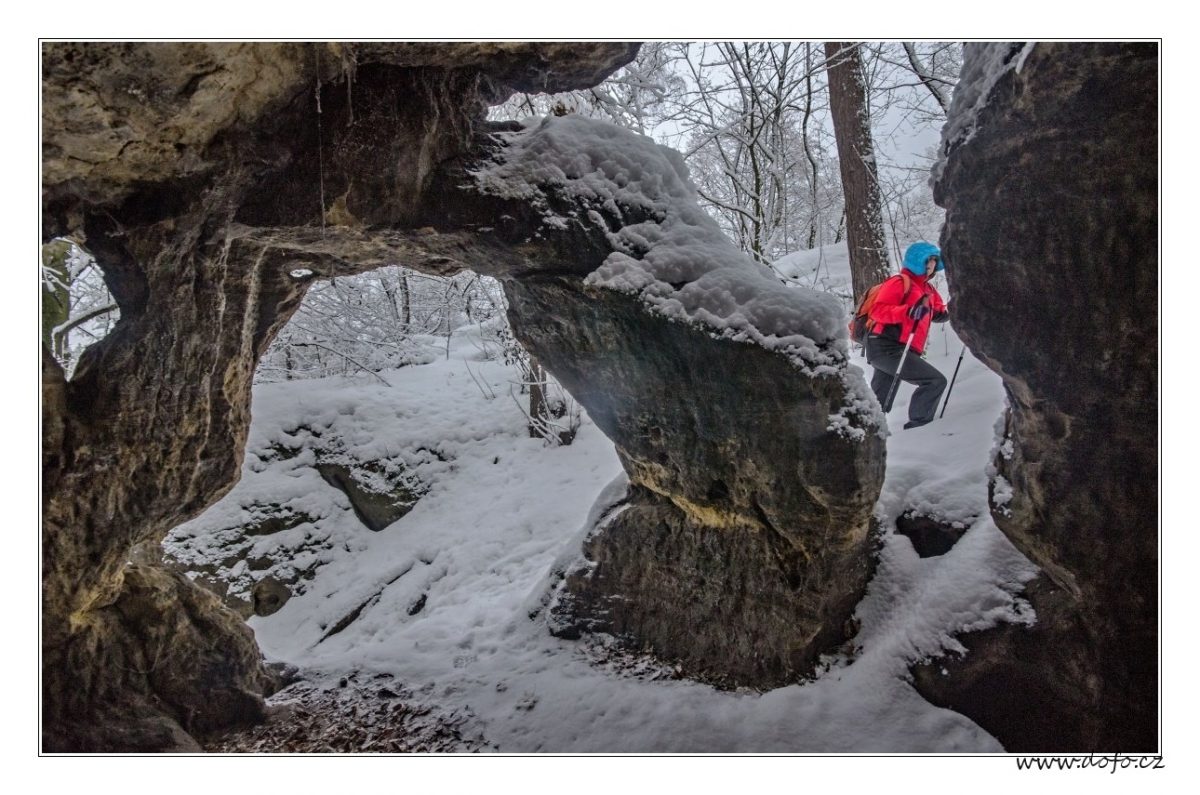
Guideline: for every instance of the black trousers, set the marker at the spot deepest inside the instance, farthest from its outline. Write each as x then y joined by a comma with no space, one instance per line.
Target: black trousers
884,355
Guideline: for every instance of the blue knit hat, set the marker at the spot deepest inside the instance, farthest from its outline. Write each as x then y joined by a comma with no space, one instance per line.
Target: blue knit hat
914,258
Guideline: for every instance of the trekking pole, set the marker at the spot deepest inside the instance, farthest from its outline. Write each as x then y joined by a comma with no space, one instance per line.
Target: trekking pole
896,378
887,405
952,379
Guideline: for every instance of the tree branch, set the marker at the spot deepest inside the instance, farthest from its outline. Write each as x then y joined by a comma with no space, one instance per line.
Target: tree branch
927,79
344,356
79,321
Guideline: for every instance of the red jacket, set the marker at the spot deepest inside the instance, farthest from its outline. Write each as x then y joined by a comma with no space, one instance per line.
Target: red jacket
891,307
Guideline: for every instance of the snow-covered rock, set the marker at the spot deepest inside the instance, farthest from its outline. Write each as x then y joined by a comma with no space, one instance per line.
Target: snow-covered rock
753,447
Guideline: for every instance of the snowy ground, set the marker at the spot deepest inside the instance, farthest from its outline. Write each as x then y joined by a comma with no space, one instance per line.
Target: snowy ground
446,592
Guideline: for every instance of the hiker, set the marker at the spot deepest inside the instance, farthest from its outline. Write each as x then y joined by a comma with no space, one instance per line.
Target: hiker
906,304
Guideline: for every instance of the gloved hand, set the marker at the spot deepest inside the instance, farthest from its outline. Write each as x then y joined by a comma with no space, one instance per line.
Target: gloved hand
919,311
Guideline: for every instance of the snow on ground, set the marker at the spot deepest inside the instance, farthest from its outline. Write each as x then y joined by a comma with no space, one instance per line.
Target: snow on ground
445,593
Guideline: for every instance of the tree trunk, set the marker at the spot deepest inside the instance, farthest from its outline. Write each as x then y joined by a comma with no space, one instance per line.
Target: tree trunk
856,157
539,412
406,292
812,161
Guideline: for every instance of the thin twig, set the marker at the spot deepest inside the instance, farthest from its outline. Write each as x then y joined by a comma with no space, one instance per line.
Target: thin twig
360,366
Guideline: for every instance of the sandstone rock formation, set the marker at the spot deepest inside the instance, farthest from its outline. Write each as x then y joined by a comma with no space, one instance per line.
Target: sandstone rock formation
743,544
740,554
202,177
1051,238
213,182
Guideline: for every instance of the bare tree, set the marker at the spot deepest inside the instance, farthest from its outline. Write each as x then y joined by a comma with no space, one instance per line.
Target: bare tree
388,318
938,87
754,112
74,299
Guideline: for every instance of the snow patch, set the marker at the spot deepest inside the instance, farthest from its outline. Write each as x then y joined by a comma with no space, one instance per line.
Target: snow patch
983,66
678,262
1002,494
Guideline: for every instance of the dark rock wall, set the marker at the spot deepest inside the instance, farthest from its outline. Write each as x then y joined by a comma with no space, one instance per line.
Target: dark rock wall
155,420
164,661
1051,240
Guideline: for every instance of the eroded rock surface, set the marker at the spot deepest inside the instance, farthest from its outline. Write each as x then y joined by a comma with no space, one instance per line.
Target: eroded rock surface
164,661
214,181
743,544
1051,241
739,553
202,176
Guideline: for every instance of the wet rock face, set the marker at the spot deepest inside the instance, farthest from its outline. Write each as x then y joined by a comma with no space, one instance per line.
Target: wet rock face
196,173
1051,240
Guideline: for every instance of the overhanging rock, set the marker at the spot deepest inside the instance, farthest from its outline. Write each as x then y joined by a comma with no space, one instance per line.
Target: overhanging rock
213,181
752,448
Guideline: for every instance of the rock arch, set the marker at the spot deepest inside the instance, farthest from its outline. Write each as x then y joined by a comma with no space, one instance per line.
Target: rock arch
203,177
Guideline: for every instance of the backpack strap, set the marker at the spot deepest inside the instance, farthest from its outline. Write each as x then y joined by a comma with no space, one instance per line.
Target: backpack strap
907,285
